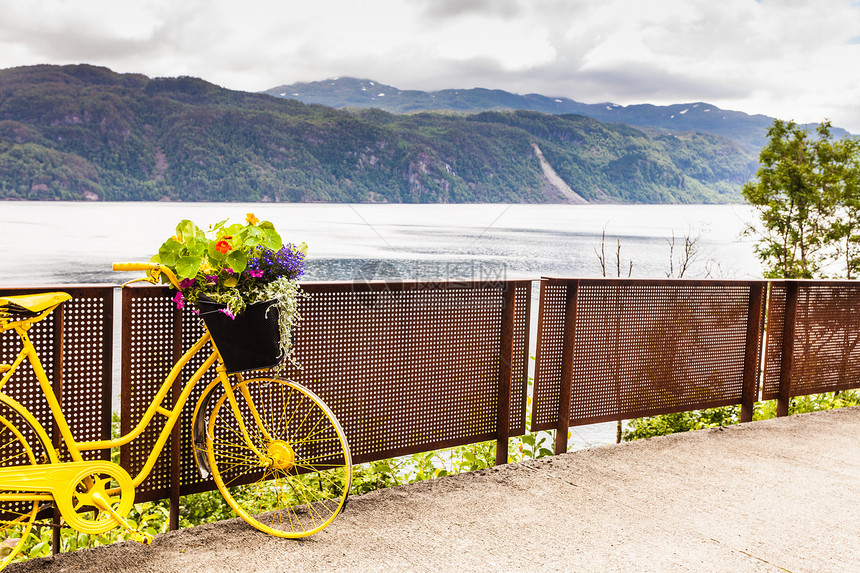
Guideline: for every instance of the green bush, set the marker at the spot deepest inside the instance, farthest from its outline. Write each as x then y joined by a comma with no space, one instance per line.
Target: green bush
649,427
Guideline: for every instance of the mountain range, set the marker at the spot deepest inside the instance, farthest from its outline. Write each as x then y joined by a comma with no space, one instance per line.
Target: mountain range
86,132
748,131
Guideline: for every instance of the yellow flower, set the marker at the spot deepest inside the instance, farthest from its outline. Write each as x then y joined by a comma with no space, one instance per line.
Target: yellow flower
177,237
252,219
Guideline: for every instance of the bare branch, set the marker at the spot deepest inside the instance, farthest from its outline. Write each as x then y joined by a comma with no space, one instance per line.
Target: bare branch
686,259
601,256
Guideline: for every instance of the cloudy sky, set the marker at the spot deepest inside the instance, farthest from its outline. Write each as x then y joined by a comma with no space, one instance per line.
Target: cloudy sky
793,59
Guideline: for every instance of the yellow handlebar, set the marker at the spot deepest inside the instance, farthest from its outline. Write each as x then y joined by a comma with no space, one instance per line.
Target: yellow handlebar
154,270
136,266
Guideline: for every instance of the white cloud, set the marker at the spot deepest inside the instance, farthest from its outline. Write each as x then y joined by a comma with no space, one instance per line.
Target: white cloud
510,44
793,59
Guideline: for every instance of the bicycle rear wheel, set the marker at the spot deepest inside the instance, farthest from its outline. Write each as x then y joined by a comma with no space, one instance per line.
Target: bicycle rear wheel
16,517
300,480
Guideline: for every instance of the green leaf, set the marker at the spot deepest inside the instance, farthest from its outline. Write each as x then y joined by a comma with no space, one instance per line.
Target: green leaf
188,267
233,230
187,229
236,260
196,247
38,549
170,252
253,236
272,240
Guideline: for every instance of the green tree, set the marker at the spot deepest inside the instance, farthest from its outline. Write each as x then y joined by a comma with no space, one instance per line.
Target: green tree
807,199
845,230
790,203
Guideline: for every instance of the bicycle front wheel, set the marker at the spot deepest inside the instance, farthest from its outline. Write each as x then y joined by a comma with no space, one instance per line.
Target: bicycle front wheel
298,479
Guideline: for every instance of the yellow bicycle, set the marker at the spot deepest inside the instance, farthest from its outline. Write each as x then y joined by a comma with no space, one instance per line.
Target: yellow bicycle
274,449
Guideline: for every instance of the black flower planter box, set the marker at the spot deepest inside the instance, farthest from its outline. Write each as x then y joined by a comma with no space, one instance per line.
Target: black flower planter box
250,341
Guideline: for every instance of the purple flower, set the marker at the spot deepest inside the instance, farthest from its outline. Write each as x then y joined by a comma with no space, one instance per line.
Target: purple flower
186,283
212,279
179,300
256,273
286,262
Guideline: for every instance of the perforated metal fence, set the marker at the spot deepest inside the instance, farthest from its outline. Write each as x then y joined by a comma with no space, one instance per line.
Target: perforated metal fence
611,349
405,367
813,339
414,366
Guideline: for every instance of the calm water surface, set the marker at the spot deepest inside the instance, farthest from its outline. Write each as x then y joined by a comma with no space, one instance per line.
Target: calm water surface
54,243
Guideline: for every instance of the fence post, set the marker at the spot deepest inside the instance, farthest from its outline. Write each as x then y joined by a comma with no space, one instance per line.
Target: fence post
506,356
567,355
787,359
751,363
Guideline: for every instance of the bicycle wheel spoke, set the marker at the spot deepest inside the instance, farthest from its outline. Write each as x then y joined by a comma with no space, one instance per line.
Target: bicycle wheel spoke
6,461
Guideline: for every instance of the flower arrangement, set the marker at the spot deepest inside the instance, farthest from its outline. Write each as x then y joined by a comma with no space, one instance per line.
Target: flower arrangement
236,265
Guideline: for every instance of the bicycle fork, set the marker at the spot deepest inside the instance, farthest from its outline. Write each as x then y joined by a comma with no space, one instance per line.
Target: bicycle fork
199,428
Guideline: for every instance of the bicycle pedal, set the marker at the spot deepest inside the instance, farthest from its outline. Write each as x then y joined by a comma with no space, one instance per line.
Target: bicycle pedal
140,537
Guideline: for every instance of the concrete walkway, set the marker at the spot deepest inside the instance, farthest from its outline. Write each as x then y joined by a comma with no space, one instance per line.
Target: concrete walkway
778,495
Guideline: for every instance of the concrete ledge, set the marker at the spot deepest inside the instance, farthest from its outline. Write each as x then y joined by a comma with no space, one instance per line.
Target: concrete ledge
777,495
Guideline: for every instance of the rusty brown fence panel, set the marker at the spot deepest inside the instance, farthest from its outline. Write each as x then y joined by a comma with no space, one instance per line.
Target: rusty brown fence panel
813,339
405,367
148,331
611,349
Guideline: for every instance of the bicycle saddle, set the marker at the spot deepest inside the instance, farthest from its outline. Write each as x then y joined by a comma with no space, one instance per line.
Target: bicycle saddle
27,305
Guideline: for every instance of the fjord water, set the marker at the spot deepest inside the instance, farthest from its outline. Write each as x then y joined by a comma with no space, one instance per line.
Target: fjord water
45,243
55,243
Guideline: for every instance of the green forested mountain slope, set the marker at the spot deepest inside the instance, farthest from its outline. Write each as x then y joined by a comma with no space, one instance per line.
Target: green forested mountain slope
82,132
748,131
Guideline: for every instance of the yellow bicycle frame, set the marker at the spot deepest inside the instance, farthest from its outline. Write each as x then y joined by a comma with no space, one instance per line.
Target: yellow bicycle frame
28,352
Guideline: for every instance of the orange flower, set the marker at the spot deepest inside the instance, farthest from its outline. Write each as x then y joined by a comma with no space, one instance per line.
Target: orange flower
251,219
223,246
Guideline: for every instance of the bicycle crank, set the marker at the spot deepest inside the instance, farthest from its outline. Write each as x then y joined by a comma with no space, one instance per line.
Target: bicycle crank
101,488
